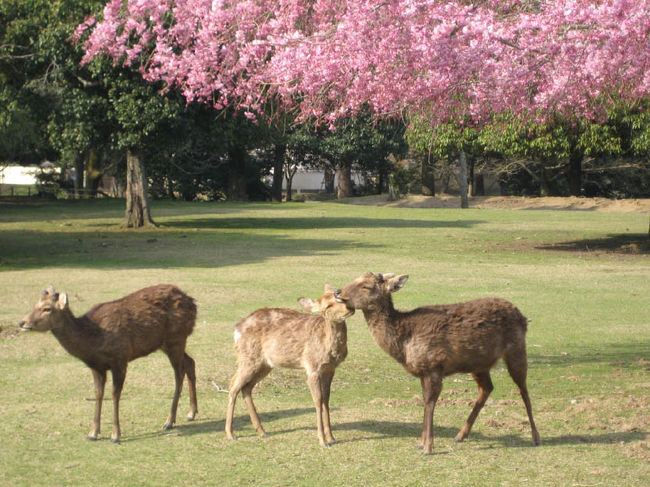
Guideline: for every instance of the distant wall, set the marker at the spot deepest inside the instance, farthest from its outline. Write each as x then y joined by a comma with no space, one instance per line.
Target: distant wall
313,181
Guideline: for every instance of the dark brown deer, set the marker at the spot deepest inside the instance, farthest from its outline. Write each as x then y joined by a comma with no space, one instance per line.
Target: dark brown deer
279,337
112,334
433,342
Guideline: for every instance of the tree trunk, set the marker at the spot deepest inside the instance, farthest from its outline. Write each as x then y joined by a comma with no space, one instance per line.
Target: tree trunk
137,204
78,176
545,183
478,188
289,178
329,180
236,190
464,203
92,174
428,180
344,172
278,164
574,173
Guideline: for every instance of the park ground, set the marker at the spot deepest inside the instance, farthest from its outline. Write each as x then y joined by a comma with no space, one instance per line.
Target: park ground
581,277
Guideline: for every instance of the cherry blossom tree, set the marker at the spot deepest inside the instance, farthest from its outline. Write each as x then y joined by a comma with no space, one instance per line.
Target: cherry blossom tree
331,58
449,61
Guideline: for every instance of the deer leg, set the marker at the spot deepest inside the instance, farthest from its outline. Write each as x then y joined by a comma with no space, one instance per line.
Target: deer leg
326,385
99,378
119,374
431,387
424,421
247,393
517,368
314,381
177,358
485,387
235,387
240,382
190,371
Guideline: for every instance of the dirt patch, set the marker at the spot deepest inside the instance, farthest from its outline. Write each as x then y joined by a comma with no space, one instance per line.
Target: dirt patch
509,203
626,417
9,332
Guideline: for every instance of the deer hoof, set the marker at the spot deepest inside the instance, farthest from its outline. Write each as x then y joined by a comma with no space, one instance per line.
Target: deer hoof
168,426
115,441
91,437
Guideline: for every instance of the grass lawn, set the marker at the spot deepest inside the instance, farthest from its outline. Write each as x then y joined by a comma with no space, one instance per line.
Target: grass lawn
581,277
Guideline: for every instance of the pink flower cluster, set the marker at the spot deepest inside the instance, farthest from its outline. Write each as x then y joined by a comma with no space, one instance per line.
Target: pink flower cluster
448,60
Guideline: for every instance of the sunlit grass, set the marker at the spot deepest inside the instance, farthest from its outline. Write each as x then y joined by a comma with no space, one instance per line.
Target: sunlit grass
588,345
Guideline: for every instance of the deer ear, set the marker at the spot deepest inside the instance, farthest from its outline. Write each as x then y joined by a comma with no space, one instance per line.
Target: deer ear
63,301
328,288
309,305
395,283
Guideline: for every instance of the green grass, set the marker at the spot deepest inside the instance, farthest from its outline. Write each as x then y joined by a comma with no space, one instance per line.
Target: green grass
579,276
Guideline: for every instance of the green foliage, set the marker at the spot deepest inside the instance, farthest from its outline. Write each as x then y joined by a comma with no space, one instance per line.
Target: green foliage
39,73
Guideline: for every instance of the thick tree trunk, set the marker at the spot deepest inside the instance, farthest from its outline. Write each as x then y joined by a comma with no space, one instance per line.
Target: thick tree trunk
278,164
428,180
464,203
137,204
344,172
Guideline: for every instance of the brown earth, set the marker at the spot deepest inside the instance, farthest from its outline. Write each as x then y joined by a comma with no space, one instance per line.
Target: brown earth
510,203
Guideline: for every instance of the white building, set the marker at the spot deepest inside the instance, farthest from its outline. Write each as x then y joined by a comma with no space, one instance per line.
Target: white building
15,175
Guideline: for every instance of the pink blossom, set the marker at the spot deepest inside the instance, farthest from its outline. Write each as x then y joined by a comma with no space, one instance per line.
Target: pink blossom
330,58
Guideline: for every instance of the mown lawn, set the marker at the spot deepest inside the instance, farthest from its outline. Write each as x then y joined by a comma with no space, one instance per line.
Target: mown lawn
581,277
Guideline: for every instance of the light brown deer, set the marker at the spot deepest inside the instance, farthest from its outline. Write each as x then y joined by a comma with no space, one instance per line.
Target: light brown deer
433,342
112,334
279,337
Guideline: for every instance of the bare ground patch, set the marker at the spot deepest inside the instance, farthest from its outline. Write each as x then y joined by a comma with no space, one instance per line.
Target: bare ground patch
509,203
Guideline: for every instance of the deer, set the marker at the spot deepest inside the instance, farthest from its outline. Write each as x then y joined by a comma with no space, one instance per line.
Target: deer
433,342
112,334
281,337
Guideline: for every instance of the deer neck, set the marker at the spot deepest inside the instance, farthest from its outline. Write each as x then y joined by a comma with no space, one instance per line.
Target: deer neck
337,336
78,336
384,324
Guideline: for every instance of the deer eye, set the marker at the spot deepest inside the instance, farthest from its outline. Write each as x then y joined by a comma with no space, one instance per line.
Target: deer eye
46,310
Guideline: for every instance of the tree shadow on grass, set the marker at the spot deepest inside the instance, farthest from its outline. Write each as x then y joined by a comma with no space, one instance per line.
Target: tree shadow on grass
316,223
378,430
241,424
628,243
231,243
632,356
25,250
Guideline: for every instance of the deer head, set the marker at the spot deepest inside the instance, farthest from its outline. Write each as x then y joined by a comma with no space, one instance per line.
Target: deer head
329,305
48,313
370,289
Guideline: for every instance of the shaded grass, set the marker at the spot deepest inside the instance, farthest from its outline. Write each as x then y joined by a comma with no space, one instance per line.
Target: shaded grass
588,345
